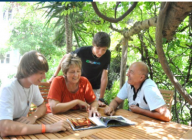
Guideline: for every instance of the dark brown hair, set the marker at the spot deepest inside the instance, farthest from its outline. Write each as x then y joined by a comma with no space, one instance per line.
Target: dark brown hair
31,63
101,39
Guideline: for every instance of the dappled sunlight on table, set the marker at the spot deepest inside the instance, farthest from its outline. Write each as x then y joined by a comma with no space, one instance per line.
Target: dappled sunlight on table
76,134
145,128
162,130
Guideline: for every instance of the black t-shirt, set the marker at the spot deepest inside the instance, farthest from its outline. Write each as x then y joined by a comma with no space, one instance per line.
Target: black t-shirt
92,67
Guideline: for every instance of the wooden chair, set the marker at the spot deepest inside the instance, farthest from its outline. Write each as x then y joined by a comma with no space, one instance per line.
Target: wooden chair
168,97
44,89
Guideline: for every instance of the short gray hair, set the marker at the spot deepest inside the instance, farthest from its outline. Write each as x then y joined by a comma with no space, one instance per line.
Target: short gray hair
71,59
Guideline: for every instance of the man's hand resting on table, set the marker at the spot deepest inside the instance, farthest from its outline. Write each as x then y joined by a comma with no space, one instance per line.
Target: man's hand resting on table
135,109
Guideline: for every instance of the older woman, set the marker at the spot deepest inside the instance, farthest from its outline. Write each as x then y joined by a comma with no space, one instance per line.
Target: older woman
71,91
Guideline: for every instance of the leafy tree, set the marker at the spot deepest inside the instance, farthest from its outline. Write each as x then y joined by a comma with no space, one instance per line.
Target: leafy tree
28,33
78,17
67,15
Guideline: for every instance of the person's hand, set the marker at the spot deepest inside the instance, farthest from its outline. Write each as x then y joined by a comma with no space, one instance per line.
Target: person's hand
101,104
51,79
58,126
135,109
83,105
93,112
109,111
27,120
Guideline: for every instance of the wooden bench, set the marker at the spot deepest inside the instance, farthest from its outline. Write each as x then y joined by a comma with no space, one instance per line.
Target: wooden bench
44,89
168,97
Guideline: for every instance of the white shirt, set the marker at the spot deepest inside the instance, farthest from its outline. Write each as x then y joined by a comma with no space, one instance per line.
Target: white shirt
149,89
14,100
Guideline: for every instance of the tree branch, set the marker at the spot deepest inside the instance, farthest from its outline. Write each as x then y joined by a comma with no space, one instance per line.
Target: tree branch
117,4
114,29
181,30
189,69
140,25
161,54
176,13
113,20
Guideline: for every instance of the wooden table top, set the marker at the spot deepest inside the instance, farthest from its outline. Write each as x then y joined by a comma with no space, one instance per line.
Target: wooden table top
145,128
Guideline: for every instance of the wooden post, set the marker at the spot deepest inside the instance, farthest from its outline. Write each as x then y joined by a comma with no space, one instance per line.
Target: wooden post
123,64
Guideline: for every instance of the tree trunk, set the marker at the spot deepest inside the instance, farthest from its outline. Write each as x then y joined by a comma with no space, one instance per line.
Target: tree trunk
71,38
162,58
68,34
176,13
123,64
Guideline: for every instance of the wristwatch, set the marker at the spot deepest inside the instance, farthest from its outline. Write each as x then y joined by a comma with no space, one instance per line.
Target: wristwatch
102,100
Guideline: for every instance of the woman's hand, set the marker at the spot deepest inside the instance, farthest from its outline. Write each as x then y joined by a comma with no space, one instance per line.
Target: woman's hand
83,105
93,112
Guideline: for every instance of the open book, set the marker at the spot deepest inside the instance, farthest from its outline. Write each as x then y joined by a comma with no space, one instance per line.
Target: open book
98,122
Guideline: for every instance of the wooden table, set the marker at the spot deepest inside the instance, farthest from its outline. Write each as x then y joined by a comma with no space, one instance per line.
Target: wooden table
146,128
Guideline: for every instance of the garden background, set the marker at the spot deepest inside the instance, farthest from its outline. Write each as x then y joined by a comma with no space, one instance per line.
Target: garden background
137,34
